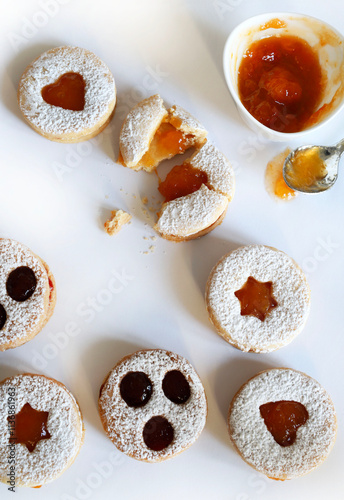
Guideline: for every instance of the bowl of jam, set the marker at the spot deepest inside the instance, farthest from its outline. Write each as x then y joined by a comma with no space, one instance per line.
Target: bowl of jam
285,73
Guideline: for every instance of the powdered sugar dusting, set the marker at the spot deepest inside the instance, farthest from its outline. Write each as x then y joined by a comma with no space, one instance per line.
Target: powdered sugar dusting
218,169
124,425
100,90
51,456
192,213
186,122
22,317
256,444
290,289
139,127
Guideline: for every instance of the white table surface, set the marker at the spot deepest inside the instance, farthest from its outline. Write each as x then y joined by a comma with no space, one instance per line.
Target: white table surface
174,48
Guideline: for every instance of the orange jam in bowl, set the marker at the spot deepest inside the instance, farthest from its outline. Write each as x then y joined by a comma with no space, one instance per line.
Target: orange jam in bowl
280,82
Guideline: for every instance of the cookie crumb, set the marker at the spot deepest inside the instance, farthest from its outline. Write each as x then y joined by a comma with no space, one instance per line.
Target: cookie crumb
152,248
145,200
118,219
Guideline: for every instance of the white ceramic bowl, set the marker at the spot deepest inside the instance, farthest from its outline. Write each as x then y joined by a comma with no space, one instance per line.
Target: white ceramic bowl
325,40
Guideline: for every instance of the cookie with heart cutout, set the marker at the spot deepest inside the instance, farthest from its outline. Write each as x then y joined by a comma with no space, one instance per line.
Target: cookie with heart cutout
67,94
27,294
283,423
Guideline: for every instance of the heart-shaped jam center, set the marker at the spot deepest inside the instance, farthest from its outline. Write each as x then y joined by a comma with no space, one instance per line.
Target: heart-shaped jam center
283,418
68,92
256,298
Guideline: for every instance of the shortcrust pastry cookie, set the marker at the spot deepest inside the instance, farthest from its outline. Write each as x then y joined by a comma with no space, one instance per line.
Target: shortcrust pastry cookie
67,94
27,294
257,298
151,133
153,405
283,423
41,426
208,179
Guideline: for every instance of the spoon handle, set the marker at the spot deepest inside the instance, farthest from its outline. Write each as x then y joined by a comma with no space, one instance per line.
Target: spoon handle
340,146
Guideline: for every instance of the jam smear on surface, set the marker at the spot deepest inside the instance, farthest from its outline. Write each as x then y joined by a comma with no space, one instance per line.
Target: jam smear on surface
176,388
30,427
274,181
283,418
68,92
181,181
3,316
256,298
21,283
136,389
158,433
280,82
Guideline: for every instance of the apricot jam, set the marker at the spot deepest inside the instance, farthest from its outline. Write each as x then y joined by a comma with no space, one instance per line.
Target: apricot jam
283,418
256,298
280,82
181,181
68,92
274,180
308,168
167,142
30,427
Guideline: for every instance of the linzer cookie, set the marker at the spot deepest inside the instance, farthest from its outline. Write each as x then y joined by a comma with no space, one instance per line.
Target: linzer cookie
151,133
283,423
257,298
197,194
27,294
153,405
41,426
67,94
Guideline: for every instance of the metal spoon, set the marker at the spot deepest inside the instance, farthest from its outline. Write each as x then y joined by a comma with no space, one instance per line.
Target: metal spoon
329,156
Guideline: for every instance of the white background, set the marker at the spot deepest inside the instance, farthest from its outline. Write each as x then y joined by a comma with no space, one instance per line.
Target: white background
60,217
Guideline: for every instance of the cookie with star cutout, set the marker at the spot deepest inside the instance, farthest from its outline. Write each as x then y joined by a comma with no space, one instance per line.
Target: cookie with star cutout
41,428
257,298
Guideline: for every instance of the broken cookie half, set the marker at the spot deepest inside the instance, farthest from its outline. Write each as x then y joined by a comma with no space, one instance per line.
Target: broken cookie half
151,133
197,194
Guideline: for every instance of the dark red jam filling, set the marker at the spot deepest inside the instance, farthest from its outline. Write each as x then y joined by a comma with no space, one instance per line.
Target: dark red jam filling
21,283
30,427
158,433
283,418
176,388
136,389
3,316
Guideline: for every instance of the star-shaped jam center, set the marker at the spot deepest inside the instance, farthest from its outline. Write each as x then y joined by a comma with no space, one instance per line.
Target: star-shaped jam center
256,298
30,427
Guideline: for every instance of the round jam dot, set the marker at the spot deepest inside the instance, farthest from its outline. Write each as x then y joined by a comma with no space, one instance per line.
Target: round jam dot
3,316
176,388
136,389
158,433
21,284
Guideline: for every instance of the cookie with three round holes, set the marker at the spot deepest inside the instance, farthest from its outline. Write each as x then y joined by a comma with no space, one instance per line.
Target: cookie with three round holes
152,405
